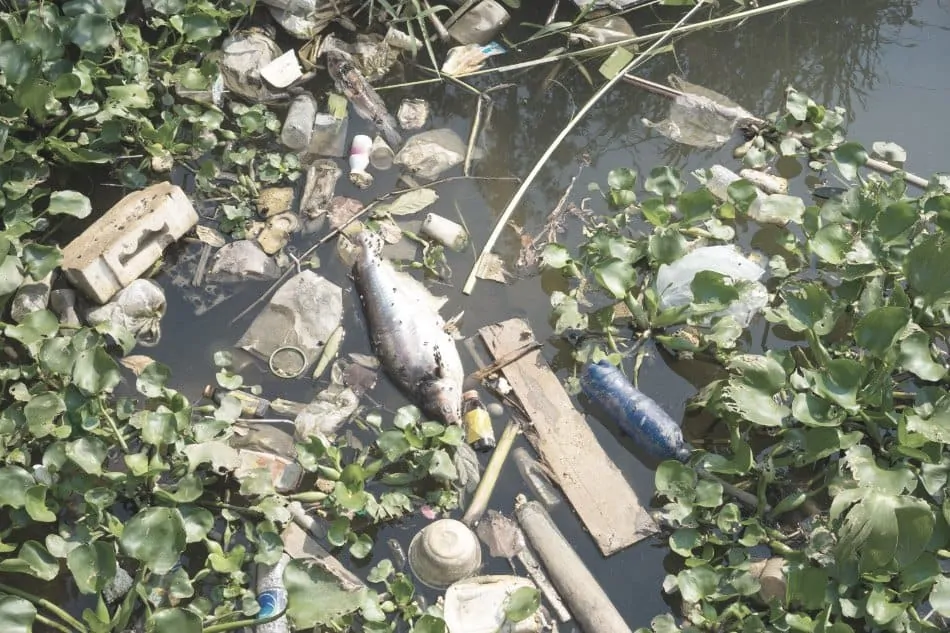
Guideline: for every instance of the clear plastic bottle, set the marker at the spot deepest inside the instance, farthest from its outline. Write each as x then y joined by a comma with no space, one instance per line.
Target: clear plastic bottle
251,405
272,596
536,479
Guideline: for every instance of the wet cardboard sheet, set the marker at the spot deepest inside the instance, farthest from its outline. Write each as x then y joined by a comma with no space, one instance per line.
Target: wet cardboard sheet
595,487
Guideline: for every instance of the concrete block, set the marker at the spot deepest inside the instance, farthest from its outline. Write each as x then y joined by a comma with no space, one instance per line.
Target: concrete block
127,240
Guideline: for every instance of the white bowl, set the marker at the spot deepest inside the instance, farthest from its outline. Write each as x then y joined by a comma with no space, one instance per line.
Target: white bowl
444,552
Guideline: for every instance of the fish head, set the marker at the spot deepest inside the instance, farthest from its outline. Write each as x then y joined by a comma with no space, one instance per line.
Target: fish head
442,399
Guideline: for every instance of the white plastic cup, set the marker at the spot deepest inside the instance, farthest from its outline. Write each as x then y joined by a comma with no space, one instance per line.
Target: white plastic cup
359,161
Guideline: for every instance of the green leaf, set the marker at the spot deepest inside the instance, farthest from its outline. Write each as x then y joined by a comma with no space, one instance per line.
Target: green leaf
383,570
811,410
430,623
797,105
830,243
88,453
40,260
175,620
849,157
11,275
806,587
754,405
940,596
33,560
555,256
69,203
778,208
684,540
36,505
338,531
665,182
16,615
710,287
925,267
697,205
441,466
158,429
666,245
14,483
879,329
522,604
225,562
615,276
675,480
895,220
156,537
393,444
361,547
920,574
407,416
315,596
915,357
882,610
197,521
93,566
95,371
622,178
936,426
939,205
697,583
839,381
92,32
860,459
809,307
42,411
15,62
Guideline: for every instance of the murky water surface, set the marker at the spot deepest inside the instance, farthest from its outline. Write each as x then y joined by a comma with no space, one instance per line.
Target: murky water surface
884,60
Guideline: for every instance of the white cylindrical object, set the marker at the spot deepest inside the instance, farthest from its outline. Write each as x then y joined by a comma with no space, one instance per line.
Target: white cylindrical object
444,552
381,154
359,161
591,607
534,476
445,231
298,126
272,596
769,183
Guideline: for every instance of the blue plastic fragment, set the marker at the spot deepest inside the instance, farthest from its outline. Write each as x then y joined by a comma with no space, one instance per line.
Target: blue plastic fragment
637,414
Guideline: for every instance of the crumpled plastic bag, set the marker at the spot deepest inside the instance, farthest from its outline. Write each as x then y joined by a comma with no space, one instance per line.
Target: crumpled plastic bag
138,308
673,280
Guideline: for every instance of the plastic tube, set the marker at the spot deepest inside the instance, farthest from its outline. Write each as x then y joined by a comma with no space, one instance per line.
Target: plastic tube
591,607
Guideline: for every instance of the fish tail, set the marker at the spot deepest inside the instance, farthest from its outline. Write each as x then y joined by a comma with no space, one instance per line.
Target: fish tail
370,242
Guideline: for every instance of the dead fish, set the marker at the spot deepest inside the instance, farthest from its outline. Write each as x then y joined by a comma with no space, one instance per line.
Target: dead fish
358,91
408,333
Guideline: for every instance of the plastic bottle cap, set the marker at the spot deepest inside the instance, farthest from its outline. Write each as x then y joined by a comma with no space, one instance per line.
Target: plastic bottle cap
470,395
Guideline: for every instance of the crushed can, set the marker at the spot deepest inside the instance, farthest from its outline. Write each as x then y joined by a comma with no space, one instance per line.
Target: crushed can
477,423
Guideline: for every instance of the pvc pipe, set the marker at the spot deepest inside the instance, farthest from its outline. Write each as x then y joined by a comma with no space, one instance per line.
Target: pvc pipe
591,607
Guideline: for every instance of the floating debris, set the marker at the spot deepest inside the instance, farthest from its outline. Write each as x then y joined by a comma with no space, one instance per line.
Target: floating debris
283,71
444,231
428,154
359,161
469,58
413,114
243,55
138,308
298,124
319,185
480,24
242,260
443,553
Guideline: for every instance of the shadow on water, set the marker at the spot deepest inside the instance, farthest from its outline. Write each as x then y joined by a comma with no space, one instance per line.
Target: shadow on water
856,54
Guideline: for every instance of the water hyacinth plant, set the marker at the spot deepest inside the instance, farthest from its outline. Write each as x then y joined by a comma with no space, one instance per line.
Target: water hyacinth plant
839,429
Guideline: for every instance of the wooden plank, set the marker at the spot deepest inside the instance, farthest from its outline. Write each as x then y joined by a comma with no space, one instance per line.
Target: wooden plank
593,484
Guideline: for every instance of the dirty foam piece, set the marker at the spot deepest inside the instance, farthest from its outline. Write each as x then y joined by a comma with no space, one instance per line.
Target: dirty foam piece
121,245
413,114
428,154
240,261
595,487
32,296
283,71
477,605
480,24
139,308
302,314
285,473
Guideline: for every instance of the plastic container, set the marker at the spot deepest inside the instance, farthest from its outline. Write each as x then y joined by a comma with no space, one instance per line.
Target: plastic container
535,478
477,423
636,413
251,405
444,231
359,161
381,154
272,596
298,125
444,552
